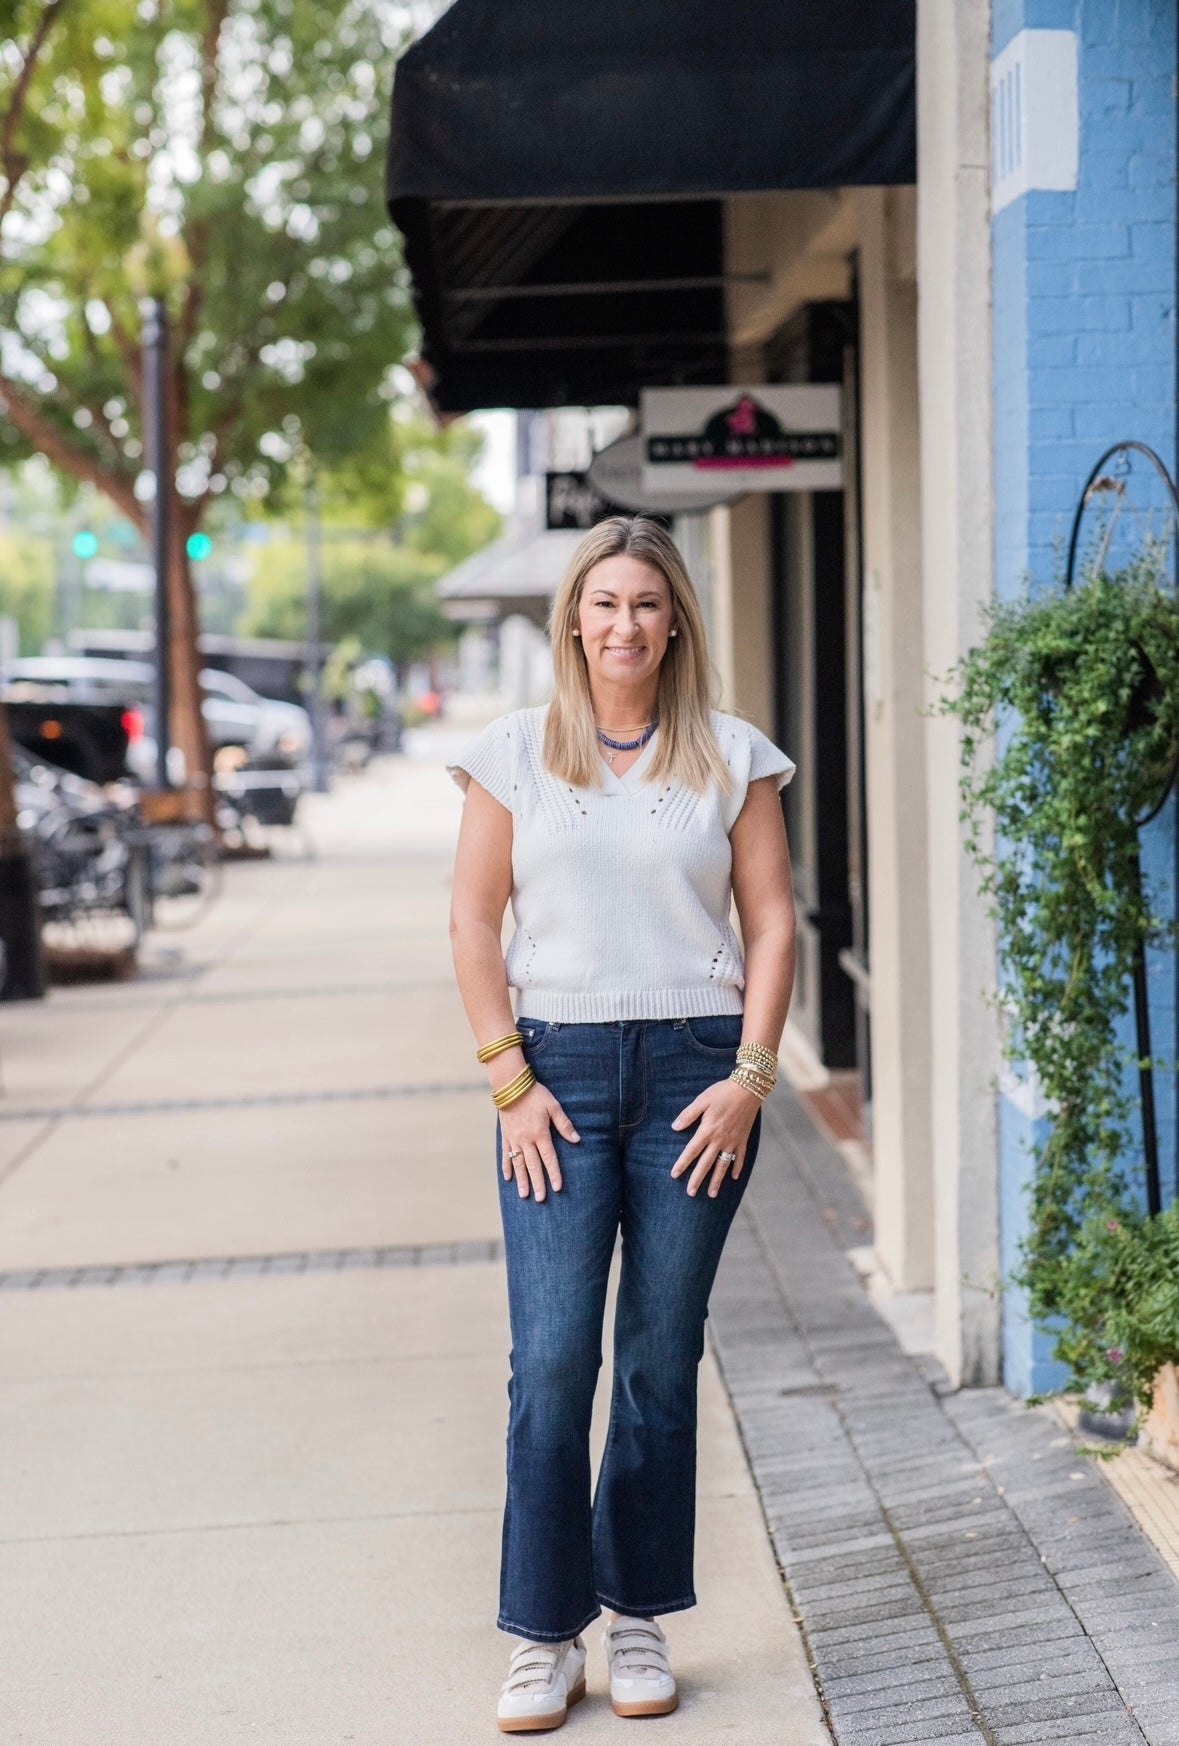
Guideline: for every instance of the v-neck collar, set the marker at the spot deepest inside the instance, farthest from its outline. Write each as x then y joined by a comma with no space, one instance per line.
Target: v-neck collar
632,780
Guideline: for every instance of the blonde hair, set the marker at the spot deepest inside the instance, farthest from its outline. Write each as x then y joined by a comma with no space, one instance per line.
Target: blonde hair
687,749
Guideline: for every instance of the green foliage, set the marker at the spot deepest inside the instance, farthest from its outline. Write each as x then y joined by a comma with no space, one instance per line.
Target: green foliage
412,475
27,591
1083,690
1120,1283
227,156
447,515
376,595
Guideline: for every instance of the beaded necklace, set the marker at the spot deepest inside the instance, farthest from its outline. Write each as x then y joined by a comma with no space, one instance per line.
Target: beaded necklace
627,745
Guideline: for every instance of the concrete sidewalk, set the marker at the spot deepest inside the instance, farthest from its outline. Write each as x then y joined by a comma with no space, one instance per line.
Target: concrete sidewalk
253,1341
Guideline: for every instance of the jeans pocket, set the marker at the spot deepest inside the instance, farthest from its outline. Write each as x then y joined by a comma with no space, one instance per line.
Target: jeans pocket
537,1035
715,1034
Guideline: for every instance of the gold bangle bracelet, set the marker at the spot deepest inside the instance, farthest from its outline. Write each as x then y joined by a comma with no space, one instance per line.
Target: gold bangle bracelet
758,1056
770,1073
513,1089
489,1050
755,1082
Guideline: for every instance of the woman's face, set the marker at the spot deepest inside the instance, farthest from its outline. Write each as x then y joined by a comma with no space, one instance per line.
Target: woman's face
625,618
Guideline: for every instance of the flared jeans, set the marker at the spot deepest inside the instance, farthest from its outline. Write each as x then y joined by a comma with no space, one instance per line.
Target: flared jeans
566,1555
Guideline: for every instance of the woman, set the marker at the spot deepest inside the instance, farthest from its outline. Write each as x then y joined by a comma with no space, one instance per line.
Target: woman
620,819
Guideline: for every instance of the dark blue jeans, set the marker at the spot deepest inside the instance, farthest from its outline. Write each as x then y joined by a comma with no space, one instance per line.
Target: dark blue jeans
564,1558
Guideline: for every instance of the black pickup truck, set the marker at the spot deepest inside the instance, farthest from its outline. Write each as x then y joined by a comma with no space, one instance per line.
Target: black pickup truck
87,739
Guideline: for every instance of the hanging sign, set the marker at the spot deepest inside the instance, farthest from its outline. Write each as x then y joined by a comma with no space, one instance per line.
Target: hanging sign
617,472
751,439
572,501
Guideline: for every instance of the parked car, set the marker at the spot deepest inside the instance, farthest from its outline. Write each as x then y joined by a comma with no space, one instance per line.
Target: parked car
235,715
279,729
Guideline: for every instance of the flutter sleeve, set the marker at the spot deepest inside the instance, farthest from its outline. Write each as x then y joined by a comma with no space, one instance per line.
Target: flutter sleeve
751,756
767,759
488,760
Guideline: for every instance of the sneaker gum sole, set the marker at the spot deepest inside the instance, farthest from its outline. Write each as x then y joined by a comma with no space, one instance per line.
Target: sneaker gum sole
649,1707
535,1724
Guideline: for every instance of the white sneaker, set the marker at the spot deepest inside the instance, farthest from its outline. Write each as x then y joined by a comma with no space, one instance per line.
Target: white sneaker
641,1681
543,1680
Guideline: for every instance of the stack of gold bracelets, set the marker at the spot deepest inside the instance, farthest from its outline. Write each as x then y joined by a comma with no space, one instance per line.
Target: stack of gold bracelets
515,1087
756,1069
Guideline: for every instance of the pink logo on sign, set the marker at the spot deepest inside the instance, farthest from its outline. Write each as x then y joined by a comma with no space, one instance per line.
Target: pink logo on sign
742,421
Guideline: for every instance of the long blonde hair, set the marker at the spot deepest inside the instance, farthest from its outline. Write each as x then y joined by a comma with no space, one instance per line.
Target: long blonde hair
687,749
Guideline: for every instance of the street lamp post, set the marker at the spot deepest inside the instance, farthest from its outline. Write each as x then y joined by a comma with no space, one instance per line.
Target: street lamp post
158,457
319,773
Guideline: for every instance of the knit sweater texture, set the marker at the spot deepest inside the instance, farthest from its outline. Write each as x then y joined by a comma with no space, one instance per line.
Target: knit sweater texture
621,895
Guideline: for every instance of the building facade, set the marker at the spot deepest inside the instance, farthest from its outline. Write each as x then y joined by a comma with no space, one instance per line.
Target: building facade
966,218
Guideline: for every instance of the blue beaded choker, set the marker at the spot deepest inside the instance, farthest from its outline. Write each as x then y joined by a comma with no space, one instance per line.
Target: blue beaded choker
629,745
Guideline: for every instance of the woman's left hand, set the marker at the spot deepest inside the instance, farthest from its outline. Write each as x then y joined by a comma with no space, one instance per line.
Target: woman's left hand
726,1113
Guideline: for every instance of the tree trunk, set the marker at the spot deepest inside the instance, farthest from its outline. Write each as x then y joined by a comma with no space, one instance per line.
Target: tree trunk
188,729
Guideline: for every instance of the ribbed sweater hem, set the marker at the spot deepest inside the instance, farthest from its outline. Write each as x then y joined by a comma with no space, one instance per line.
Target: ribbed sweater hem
581,1008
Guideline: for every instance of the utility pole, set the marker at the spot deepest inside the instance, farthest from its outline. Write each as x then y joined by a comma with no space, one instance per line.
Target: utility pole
319,771
159,461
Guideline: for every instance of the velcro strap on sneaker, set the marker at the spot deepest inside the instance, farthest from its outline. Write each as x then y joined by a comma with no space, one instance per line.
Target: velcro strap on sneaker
532,1664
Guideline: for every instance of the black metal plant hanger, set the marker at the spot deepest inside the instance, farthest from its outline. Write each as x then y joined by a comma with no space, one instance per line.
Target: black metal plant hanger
1150,1138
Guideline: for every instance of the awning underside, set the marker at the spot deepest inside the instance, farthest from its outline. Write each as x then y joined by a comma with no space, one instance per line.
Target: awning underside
554,305
559,171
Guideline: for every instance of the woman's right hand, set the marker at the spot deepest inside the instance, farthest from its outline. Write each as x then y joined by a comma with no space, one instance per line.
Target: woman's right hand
526,1128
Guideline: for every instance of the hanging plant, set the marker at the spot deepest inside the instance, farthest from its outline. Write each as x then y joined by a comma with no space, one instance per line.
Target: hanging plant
1069,708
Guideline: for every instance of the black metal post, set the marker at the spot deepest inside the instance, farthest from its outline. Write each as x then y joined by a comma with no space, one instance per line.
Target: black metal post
1150,1132
159,461
319,774
1150,1135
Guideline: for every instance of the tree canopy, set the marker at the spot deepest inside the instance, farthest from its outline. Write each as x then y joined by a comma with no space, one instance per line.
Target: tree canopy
378,591
224,155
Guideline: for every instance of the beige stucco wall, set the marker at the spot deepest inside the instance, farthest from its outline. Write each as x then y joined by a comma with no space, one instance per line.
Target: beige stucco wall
783,250
953,252
898,904
741,592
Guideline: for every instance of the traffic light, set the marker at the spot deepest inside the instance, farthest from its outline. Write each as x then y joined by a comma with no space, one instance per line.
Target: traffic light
85,543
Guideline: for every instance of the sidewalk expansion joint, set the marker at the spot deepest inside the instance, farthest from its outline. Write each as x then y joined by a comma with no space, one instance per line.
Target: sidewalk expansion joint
960,1573
202,1269
248,1100
239,996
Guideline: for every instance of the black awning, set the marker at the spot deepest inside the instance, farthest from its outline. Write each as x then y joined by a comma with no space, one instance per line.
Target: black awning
558,170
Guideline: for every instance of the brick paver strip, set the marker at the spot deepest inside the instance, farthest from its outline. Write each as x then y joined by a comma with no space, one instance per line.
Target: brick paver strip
246,1100
211,1267
960,1571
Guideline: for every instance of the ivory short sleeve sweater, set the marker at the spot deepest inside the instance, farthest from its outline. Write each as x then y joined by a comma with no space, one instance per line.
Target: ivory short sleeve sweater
621,895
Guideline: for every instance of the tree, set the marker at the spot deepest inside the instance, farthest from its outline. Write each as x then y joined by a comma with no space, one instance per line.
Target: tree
379,592
226,156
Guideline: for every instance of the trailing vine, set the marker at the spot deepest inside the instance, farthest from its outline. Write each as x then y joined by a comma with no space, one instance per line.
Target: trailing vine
1069,709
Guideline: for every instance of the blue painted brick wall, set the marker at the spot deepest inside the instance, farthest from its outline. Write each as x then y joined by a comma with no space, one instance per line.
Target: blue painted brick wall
1084,297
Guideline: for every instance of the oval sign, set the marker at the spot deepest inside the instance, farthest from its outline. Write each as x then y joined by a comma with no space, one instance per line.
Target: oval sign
617,473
